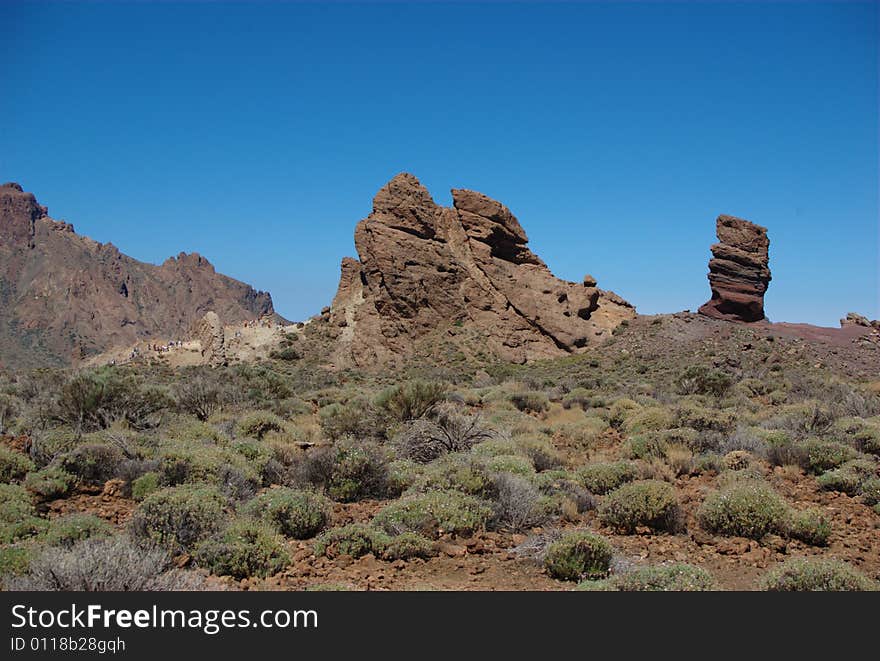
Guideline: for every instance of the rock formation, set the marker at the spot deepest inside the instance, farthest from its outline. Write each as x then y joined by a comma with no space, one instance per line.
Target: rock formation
738,271
856,319
426,270
65,296
210,334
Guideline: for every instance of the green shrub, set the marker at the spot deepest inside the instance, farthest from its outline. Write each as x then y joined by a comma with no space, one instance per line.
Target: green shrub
179,517
93,463
510,463
181,463
18,516
296,514
649,503
411,400
357,419
691,414
245,548
621,410
744,509
355,540
49,483
870,491
600,478
67,530
848,478
259,423
817,575
409,545
459,472
347,471
824,455
530,402
648,445
13,465
702,380
434,512
144,485
14,561
652,418
579,555
810,527
677,577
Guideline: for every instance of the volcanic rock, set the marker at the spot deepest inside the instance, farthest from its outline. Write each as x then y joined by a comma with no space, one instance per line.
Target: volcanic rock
856,319
738,271
467,270
65,296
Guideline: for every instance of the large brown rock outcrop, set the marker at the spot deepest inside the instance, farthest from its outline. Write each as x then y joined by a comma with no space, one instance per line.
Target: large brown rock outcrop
210,333
426,270
738,271
65,296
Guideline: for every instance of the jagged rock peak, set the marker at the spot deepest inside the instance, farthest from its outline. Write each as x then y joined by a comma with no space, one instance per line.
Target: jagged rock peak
424,267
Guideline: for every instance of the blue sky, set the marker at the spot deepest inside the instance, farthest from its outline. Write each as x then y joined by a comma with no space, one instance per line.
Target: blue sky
258,135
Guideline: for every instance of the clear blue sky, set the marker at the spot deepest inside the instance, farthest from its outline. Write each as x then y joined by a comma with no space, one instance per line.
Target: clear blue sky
258,135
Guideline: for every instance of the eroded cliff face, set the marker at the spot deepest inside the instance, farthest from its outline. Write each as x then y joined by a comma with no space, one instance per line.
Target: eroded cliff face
739,272
64,296
424,269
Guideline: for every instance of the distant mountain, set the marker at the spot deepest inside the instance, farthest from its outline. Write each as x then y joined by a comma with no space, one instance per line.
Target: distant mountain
64,296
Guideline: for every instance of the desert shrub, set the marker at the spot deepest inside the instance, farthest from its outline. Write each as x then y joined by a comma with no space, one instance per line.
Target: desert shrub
71,528
93,400
347,471
459,472
13,465
582,397
812,418
410,400
651,418
582,434
49,483
181,463
602,477
14,561
200,396
93,463
646,446
865,436
621,410
822,455
178,517
817,575
691,414
408,545
257,424
49,444
678,577
433,513
293,513
355,540
511,463
782,449
356,419
101,565
247,547
539,451
518,505
448,430
9,408
848,478
560,483
530,401
810,527
144,485
702,380
744,509
650,503
578,555
18,516
870,491
402,475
